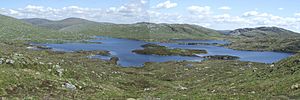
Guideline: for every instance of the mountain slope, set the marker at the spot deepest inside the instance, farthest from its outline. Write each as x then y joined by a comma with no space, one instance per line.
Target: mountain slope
226,32
37,21
11,28
265,38
146,31
141,31
264,32
14,30
56,24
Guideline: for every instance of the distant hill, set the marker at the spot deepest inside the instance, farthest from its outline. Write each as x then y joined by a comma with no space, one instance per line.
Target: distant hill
12,29
146,31
226,32
142,30
37,29
264,32
37,21
265,38
57,24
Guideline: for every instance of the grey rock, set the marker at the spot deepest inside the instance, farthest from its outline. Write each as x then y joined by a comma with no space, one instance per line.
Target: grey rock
69,86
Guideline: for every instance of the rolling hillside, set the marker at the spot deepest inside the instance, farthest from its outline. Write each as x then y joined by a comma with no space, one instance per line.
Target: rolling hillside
146,31
265,39
262,32
141,31
56,25
14,30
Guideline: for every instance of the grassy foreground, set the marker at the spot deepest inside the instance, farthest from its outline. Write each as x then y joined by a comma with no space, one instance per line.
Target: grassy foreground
28,74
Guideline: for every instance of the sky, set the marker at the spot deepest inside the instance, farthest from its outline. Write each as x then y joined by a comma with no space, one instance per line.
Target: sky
215,14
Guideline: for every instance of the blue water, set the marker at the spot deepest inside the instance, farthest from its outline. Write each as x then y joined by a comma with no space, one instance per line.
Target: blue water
122,48
200,41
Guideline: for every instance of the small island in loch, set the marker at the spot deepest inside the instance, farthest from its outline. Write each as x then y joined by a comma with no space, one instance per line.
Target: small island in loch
154,49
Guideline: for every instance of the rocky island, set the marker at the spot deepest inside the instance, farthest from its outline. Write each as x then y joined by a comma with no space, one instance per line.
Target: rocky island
154,49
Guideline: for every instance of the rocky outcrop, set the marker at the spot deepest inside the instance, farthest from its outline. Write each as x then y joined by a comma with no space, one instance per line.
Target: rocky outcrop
221,57
263,31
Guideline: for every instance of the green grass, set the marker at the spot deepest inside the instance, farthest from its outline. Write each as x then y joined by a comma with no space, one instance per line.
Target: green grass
265,44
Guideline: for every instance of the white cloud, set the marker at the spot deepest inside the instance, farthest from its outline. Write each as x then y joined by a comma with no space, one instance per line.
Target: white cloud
158,17
225,8
31,7
131,8
255,14
280,8
198,10
13,12
265,19
144,1
168,4
226,18
250,13
297,14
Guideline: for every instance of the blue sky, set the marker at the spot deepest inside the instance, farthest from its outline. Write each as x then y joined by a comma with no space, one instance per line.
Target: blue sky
62,3
239,6
217,14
